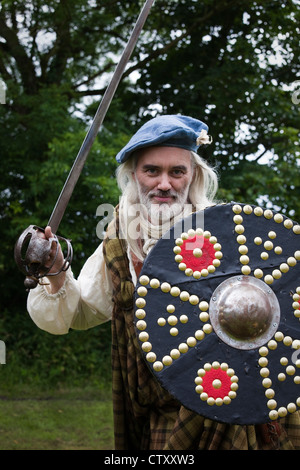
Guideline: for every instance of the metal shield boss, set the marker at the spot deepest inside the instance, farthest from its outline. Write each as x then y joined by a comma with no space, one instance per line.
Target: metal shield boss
217,313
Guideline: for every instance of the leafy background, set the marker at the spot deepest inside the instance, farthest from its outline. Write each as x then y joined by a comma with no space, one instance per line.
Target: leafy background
232,63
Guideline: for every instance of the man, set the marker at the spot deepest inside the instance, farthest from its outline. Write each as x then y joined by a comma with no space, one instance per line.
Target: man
162,173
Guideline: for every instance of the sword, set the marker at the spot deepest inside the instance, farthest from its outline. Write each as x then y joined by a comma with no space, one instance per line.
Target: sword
32,251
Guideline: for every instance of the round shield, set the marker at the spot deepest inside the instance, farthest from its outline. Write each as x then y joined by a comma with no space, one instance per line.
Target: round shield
217,313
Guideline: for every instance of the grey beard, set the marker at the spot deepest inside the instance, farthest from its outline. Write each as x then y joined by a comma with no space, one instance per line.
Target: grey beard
158,214
157,219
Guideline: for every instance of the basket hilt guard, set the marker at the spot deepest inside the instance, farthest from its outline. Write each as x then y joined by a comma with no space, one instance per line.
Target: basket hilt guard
32,255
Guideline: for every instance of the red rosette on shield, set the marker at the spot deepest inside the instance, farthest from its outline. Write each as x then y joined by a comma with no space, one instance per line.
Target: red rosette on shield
217,313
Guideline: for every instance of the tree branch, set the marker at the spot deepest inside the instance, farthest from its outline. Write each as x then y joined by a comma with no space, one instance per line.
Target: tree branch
3,70
16,50
61,48
163,50
95,75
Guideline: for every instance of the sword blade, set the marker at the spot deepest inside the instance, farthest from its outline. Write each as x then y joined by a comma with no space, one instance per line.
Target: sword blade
68,188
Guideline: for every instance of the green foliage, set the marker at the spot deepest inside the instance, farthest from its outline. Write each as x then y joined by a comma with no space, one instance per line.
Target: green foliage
36,359
231,63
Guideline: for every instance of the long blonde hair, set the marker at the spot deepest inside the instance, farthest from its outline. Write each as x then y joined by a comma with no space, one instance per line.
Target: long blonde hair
201,194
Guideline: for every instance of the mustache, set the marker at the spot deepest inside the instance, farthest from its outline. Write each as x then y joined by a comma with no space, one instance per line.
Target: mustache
160,193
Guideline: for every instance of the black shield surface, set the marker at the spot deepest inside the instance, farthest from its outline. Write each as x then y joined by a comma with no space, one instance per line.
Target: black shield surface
219,328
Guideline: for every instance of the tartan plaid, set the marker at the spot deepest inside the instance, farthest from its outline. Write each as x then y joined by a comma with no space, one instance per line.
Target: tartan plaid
147,417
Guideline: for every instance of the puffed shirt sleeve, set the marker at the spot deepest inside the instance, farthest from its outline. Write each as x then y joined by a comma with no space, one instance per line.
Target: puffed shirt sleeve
79,304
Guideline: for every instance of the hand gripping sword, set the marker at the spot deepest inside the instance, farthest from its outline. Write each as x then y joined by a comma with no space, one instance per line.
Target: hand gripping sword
31,251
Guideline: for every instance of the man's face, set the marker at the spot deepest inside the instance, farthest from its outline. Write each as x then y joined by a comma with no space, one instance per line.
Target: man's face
163,176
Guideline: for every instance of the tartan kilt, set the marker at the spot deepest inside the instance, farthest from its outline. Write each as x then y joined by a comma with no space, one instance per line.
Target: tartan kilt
147,417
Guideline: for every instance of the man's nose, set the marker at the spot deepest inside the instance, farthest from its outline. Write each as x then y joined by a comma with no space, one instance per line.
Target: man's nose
164,183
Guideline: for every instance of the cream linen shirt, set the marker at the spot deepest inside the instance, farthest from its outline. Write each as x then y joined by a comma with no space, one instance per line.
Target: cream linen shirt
79,304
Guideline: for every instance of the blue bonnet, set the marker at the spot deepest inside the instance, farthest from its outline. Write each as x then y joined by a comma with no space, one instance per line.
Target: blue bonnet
168,131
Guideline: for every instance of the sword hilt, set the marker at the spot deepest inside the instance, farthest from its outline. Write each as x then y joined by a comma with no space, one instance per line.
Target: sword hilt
32,254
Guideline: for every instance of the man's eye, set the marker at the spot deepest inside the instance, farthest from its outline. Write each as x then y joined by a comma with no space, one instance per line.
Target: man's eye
151,171
178,172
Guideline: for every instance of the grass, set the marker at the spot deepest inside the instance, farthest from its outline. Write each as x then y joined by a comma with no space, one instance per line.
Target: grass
55,391
68,419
